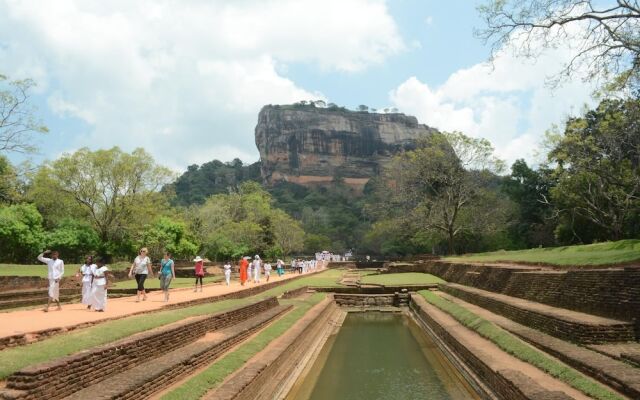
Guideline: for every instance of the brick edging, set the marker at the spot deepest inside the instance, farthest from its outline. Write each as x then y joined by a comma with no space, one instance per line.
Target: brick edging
25,338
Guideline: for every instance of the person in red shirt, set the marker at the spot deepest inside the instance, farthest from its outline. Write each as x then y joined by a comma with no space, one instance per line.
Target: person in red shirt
199,270
244,264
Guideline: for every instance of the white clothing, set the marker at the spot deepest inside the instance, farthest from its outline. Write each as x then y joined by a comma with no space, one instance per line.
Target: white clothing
141,265
87,277
256,270
87,272
227,273
54,289
56,267
267,269
99,289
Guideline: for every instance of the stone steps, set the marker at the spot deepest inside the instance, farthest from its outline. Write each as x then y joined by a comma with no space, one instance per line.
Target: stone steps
159,373
562,323
616,374
64,376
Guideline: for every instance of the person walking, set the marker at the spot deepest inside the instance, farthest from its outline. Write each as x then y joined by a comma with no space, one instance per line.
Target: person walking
86,271
267,271
280,267
199,271
99,286
256,269
167,273
227,272
55,272
244,265
141,267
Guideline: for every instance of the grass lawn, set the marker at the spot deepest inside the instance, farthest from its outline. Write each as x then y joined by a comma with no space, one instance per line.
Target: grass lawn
208,379
41,269
408,278
16,358
517,348
592,254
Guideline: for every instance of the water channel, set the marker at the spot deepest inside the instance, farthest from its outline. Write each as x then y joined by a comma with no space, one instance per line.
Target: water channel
381,356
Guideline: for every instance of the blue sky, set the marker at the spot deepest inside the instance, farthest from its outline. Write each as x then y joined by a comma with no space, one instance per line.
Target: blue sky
185,80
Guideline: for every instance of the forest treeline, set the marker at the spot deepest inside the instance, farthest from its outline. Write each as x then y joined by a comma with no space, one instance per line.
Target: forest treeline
448,195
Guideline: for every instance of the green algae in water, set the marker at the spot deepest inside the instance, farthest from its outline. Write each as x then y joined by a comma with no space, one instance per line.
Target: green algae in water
384,356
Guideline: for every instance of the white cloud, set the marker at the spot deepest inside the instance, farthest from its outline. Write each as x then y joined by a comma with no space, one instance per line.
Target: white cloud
184,79
507,102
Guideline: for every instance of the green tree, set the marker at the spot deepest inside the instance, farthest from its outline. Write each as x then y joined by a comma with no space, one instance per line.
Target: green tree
116,191
442,178
288,234
9,186
606,35
21,234
166,234
17,120
598,168
73,238
529,190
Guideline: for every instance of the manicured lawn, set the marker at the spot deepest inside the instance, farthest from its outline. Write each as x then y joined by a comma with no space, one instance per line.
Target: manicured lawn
208,379
16,358
409,278
41,269
606,253
516,347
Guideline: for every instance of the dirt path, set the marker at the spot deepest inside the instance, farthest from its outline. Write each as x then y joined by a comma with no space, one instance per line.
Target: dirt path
25,321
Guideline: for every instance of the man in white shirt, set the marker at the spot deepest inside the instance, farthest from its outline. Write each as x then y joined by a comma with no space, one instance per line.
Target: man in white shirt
56,271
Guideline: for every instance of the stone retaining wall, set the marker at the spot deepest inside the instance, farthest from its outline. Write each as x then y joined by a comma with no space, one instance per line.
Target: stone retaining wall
30,337
262,378
506,384
364,300
290,294
565,329
613,293
8,283
66,375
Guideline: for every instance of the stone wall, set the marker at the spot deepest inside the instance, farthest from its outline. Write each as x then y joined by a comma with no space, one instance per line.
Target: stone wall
566,329
8,283
364,300
69,374
612,293
506,384
290,294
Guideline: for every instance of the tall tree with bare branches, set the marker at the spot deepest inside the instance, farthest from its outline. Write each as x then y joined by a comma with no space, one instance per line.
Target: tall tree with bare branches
605,35
17,120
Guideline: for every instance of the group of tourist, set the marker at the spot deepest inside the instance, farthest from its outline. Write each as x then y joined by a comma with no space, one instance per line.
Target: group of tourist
94,275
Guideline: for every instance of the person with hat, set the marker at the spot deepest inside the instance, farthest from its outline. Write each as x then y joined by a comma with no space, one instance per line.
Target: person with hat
199,271
256,269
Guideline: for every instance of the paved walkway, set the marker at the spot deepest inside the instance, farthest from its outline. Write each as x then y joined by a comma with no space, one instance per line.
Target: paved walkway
26,321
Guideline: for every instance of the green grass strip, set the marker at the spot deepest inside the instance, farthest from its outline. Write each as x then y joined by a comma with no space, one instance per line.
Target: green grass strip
407,278
606,253
519,349
16,358
210,378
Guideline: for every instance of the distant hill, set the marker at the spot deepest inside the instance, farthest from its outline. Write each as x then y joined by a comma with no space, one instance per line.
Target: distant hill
214,177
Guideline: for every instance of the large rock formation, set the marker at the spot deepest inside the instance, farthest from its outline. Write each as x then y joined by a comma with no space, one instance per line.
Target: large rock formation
309,145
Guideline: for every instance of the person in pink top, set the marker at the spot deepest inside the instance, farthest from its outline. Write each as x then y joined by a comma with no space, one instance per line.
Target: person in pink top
199,270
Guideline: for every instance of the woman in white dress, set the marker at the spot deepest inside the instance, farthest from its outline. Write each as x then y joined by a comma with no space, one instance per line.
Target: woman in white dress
256,269
99,287
86,271
227,272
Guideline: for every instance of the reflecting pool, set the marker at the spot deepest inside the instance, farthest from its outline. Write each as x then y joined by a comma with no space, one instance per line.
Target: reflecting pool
381,356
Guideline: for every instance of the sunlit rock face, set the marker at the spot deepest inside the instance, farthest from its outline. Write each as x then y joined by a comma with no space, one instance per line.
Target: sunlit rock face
310,146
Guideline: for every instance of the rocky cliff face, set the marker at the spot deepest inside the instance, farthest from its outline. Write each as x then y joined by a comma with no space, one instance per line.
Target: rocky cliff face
309,145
